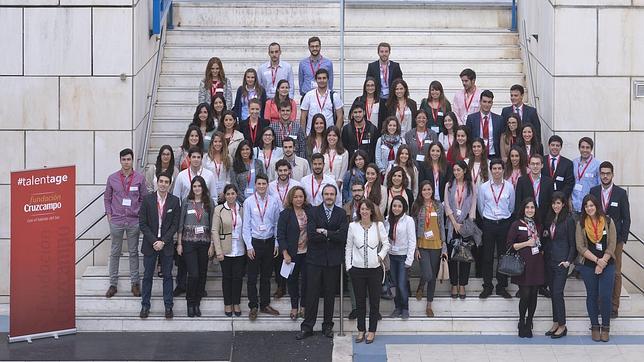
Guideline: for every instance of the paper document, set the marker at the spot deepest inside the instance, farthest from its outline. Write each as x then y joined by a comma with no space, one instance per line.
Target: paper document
287,269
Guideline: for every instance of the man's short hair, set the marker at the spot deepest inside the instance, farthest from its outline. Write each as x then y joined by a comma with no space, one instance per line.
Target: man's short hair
126,151
469,73
517,87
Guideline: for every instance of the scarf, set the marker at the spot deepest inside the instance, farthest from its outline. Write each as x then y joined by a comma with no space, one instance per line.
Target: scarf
594,232
532,229
391,141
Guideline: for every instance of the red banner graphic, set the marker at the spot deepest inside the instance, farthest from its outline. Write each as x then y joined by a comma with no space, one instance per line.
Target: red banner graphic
43,227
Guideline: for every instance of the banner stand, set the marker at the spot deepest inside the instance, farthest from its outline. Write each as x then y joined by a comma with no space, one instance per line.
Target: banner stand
30,337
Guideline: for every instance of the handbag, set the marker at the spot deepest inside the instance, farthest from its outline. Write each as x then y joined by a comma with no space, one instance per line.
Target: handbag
511,263
462,250
443,270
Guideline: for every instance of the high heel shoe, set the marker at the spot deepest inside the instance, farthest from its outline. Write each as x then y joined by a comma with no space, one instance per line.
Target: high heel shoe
227,311
360,337
236,311
370,341
552,331
453,294
562,334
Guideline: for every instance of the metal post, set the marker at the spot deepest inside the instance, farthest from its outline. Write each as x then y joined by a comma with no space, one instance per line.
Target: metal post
341,334
513,27
342,49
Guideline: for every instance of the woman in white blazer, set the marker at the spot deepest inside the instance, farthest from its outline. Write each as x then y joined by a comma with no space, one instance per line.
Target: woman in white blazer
367,246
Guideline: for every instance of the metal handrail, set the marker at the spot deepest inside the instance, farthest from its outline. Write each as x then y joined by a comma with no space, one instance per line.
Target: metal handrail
87,229
90,203
633,283
636,237
92,249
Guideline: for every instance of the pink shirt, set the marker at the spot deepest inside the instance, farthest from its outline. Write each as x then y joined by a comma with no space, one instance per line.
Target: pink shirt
462,105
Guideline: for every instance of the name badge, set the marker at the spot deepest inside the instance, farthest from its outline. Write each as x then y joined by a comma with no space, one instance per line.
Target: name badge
433,213
169,211
194,212
134,188
252,170
599,246
439,113
420,158
458,212
579,187
535,250
604,233
559,178
127,202
428,142
249,191
435,129
294,137
365,142
314,84
339,158
523,228
429,234
262,227
591,175
614,204
385,147
207,137
199,230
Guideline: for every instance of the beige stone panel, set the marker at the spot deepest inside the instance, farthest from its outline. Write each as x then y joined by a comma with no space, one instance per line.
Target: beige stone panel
84,195
11,40
29,2
575,41
620,42
539,19
544,93
581,103
142,87
11,143
602,3
5,212
637,112
107,148
58,41
5,266
145,46
638,2
96,2
624,150
83,246
112,44
570,139
96,103
637,213
62,148
22,110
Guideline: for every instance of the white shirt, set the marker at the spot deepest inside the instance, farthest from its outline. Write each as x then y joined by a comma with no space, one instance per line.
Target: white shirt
314,189
268,78
362,245
184,178
221,175
280,192
260,218
237,242
405,238
314,103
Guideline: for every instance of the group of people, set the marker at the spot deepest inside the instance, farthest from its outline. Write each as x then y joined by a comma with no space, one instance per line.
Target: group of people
396,184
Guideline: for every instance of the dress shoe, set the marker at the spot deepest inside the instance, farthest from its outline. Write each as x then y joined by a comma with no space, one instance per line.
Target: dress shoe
136,290
237,311
562,334
379,316
110,292
168,313
521,328
360,337
328,333
503,293
178,291
419,292
604,335
462,296
396,313
353,315
551,332
145,312
197,310
252,315
191,311
303,335
278,293
405,314
369,341
545,292
269,310
595,333
485,293
614,314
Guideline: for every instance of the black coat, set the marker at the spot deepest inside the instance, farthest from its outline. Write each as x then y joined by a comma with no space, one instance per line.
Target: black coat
373,70
288,230
563,178
524,190
562,247
326,250
618,210
382,109
473,123
149,223
350,140
427,173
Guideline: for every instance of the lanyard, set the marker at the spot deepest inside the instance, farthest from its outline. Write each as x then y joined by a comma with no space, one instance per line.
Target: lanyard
160,208
368,109
460,191
259,209
595,226
311,65
553,230
531,232
217,167
497,199
580,175
394,233
126,188
367,190
428,215
401,113
385,73
190,174
313,191
391,193
253,133
277,186
468,104
436,183
331,159
288,129
515,177
274,74
535,192
198,211
321,105
606,202
435,113
420,140
475,175
251,167
270,156
361,135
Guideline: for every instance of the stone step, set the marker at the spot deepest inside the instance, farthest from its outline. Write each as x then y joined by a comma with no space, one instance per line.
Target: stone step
353,52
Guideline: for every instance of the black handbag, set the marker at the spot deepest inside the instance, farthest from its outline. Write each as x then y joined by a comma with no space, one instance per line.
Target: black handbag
462,250
511,263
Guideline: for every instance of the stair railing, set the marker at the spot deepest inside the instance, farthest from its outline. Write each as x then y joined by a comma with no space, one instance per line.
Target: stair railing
637,262
91,225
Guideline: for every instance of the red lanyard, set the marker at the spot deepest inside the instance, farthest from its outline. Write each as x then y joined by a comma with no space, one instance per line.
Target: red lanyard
475,175
274,74
515,177
535,192
401,114
595,226
531,231
367,190
253,133
326,95
126,188
468,104
198,212
460,195
385,73
160,207
553,230
368,109
435,113
361,135
497,199
251,165
449,143
190,174
580,175
428,215
259,209
233,212
270,156
315,192
319,65
331,159
391,193
436,182
217,168
420,140
606,202
288,129
277,186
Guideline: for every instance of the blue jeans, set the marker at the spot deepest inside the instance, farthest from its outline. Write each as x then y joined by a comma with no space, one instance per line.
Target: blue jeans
149,263
599,292
399,276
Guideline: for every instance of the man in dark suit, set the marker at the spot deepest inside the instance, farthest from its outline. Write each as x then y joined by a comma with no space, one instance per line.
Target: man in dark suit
384,69
526,113
614,201
486,125
158,240
558,168
327,234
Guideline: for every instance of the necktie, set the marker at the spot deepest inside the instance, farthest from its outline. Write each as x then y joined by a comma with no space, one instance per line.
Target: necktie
486,132
518,111
328,214
552,165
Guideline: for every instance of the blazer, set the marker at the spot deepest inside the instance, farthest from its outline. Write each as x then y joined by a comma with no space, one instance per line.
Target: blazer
427,173
368,141
373,70
413,107
524,189
473,123
222,228
618,210
361,253
244,128
288,230
237,108
326,250
149,223
562,246
529,116
563,178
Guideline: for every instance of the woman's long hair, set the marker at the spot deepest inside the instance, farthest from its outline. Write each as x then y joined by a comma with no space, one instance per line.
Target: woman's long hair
563,214
210,122
205,194
393,219
159,163
238,163
186,138
375,194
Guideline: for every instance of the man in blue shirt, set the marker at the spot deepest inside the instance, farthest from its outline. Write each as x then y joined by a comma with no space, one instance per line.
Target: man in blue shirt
586,171
311,64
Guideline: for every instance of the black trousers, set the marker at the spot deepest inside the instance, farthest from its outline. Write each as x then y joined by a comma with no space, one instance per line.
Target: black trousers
559,274
262,265
459,273
365,279
321,280
232,270
196,260
182,273
297,285
494,236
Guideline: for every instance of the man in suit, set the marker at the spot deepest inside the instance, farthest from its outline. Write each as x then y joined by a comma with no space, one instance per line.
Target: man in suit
526,113
384,69
614,201
157,240
558,168
487,125
327,233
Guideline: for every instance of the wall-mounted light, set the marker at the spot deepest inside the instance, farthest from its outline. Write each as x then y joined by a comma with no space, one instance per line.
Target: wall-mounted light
638,89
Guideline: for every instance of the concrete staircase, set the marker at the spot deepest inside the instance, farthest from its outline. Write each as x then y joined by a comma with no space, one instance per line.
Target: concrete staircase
431,42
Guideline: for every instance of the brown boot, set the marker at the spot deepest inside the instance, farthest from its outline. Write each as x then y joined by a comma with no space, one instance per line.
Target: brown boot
419,292
604,334
136,290
595,333
279,293
429,312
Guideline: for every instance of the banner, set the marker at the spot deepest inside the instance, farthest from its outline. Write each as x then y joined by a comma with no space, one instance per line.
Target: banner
43,227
